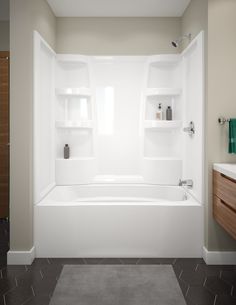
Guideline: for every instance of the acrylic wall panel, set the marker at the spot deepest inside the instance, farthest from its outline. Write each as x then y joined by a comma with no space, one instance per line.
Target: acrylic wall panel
44,137
161,139
71,74
75,171
105,108
193,63
164,71
118,85
164,171
162,144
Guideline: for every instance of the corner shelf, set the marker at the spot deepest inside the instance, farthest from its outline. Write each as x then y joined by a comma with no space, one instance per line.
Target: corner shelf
162,124
74,91
163,159
164,60
163,92
75,124
75,159
73,58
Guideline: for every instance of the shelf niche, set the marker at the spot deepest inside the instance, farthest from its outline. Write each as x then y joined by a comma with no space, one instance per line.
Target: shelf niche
74,124
162,124
73,91
163,91
74,119
164,71
162,138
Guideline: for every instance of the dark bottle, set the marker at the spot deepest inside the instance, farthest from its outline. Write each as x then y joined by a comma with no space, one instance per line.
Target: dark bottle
168,113
66,151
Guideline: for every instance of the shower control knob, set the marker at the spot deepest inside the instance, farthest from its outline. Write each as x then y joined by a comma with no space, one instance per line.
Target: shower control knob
190,129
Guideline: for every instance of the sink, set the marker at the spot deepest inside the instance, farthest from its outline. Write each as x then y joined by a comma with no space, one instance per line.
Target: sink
228,169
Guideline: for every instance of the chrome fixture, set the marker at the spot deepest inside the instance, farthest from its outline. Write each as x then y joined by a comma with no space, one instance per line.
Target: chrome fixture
222,120
190,129
176,42
188,183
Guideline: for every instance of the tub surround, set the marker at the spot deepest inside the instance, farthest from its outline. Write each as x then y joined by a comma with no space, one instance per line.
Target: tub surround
101,104
105,108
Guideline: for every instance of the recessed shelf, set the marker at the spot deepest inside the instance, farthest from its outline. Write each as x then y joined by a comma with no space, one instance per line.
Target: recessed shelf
163,91
73,91
162,159
76,159
164,60
72,58
75,124
162,124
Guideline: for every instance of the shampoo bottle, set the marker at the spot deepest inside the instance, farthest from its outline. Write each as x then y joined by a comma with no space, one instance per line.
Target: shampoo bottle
66,151
168,113
159,112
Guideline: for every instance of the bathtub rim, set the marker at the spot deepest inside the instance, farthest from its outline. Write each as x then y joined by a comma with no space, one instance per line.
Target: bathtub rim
191,201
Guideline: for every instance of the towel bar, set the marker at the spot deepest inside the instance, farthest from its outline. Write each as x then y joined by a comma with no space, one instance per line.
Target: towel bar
222,120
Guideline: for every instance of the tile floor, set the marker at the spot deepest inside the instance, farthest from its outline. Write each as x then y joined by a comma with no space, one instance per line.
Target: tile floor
34,285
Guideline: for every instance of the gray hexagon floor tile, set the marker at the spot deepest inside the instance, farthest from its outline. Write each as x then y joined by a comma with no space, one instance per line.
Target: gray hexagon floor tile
18,295
193,278
200,296
38,300
225,300
218,286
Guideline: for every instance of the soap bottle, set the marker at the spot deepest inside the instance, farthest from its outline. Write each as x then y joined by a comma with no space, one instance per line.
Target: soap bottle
159,112
66,151
168,113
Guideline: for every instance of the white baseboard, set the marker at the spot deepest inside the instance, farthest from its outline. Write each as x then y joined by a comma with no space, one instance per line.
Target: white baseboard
21,257
219,257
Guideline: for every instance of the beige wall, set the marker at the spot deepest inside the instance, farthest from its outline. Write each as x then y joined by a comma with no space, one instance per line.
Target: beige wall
194,19
117,36
218,19
4,35
221,100
25,16
124,36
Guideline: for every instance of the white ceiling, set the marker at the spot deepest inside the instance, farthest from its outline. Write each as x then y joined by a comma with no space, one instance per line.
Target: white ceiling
4,10
118,8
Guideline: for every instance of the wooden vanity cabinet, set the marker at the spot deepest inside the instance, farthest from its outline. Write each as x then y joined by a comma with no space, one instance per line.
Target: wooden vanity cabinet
224,202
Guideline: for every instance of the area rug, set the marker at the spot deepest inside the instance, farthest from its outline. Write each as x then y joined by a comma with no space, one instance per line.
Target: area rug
117,285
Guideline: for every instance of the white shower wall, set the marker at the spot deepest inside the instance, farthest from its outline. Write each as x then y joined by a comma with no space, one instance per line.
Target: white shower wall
44,117
118,141
104,108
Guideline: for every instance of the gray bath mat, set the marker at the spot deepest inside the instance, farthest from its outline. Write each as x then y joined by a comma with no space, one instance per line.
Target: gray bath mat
117,285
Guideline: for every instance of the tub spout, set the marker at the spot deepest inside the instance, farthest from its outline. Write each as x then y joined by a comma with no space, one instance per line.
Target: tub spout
188,183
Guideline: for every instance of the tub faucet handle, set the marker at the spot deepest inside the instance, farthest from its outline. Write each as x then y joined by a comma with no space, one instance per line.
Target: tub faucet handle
187,182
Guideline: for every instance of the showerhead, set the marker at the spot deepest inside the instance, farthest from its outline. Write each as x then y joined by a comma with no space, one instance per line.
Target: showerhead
175,43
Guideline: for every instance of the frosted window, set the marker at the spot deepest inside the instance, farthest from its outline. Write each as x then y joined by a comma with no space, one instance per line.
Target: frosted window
105,110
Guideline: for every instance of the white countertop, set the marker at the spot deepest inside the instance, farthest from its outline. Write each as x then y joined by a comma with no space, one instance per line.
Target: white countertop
228,169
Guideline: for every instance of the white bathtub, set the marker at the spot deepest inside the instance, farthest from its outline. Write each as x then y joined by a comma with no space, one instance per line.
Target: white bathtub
118,220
